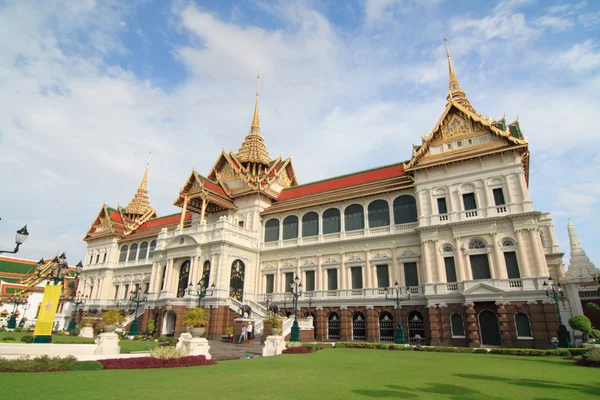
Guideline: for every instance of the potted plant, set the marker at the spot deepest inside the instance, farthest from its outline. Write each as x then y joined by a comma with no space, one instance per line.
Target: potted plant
87,322
229,332
150,328
111,318
274,322
196,320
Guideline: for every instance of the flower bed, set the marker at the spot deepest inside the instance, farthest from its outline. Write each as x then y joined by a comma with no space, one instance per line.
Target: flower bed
297,350
588,363
151,362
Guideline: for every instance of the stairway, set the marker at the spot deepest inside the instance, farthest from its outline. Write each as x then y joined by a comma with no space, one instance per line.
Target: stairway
220,350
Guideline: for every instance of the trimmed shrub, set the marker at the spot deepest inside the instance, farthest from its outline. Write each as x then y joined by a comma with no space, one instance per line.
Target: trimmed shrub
8,339
580,323
167,353
297,350
27,339
593,307
480,351
38,364
85,366
531,352
60,333
75,332
163,339
88,341
151,362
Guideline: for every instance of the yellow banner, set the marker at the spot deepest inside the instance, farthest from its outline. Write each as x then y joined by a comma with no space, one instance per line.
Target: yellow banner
48,307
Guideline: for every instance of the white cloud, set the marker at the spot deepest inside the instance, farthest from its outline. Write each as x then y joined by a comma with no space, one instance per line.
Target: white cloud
552,22
581,57
378,11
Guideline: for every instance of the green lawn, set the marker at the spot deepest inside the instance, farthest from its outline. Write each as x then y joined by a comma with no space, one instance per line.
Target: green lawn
328,374
127,346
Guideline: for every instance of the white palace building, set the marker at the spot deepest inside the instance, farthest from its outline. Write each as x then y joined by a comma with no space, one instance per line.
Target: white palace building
454,225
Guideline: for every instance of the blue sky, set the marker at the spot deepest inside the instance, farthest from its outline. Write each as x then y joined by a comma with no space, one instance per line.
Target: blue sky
90,87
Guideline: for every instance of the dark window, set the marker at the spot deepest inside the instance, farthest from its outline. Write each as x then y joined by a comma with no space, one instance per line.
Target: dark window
162,280
469,201
290,227
97,258
480,266
309,285
272,230
104,258
125,292
310,224
289,279
379,213
383,277
143,250
512,267
270,283
523,327
331,221
354,217
411,277
405,210
91,258
499,197
116,292
442,209
184,277
458,327
332,279
133,252
450,269
356,277
146,288
122,255
152,247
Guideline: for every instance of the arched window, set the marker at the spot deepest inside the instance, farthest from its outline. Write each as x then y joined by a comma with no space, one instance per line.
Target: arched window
331,221
206,273
405,210
310,224
523,326
290,227
354,217
133,252
477,244
506,242
184,277
152,247
123,254
272,230
379,213
143,250
458,327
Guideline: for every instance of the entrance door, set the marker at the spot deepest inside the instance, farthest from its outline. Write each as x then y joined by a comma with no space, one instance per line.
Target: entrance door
416,326
333,326
386,327
169,323
359,326
236,282
489,328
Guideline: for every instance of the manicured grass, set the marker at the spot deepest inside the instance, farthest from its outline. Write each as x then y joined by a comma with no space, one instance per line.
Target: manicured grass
127,346
329,374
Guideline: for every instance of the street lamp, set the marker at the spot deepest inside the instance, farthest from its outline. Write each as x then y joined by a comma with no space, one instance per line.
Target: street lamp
20,238
201,292
77,300
17,300
396,293
296,291
136,297
555,291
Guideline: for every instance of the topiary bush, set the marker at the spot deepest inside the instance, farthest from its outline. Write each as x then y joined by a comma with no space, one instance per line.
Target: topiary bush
85,366
75,332
27,339
8,339
580,323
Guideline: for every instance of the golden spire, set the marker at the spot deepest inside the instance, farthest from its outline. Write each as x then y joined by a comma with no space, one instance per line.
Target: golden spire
253,148
140,204
455,93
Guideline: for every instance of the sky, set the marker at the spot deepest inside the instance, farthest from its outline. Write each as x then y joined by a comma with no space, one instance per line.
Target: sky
89,88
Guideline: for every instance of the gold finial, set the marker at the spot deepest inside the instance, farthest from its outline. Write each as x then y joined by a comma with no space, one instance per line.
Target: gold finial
255,127
455,93
140,203
453,82
144,183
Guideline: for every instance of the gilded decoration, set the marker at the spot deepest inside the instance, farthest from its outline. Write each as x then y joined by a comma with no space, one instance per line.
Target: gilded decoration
456,126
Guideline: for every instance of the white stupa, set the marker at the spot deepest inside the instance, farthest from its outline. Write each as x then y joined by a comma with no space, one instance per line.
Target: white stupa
580,266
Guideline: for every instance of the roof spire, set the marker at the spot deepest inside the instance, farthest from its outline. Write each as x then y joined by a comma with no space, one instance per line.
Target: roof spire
580,265
455,93
255,127
140,204
144,183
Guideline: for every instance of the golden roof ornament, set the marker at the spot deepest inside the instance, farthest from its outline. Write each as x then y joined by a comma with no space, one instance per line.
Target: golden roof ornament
455,93
253,149
140,204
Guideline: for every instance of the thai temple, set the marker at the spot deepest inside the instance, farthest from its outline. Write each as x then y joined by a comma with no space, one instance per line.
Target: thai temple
451,225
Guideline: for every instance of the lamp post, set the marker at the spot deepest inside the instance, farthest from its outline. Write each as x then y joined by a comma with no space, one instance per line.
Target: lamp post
296,291
17,300
556,292
201,292
22,321
136,297
395,293
77,300
20,238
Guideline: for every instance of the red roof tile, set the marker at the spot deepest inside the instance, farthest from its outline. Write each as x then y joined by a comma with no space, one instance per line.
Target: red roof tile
115,216
358,178
169,219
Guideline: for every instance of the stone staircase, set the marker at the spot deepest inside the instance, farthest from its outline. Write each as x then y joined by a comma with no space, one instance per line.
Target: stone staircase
220,350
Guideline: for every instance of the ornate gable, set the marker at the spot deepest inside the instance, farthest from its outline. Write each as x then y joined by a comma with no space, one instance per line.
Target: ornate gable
104,225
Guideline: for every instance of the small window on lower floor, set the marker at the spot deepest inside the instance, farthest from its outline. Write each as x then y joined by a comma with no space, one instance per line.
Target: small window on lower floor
457,325
270,283
523,326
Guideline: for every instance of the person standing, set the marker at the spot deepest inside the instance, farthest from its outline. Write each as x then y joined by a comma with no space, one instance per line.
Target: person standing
243,335
249,330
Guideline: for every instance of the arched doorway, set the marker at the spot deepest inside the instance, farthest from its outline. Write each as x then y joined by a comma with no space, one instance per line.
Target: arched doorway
416,326
314,317
236,282
489,328
169,320
184,277
386,327
333,326
359,326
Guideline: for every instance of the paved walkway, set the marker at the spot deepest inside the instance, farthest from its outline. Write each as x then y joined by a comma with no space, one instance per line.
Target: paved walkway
230,351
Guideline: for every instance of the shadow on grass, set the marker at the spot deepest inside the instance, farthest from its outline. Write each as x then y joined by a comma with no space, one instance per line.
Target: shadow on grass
536,383
454,392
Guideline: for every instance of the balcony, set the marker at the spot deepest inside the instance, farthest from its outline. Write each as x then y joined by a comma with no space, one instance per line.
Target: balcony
469,215
342,236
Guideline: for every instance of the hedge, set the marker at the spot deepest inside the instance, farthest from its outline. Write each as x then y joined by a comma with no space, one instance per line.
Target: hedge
531,352
38,364
151,362
27,339
85,366
297,350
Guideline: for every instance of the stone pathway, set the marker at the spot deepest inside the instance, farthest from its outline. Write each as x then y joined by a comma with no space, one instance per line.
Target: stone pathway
230,351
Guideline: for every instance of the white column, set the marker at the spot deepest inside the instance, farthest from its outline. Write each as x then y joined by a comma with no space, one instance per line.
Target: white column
523,186
499,265
366,214
426,263
395,268
278,278
509,191
451,207
486,191
441,266
367,271
541,268
524,269
391,212
431,202
460,267
318,272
